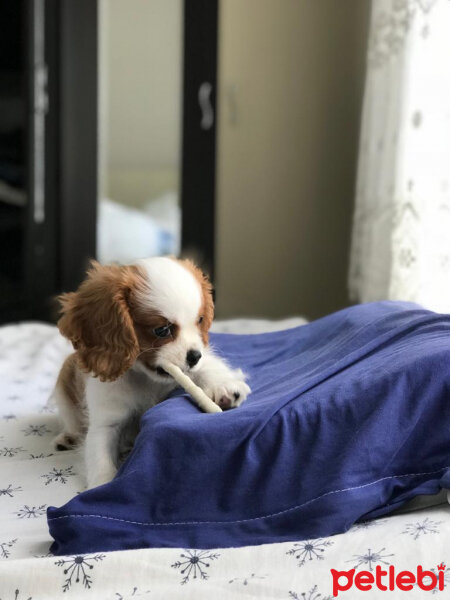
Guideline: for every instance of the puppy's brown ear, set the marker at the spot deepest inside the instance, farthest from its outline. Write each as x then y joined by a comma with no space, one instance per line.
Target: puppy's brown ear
208,303
96,319
207,309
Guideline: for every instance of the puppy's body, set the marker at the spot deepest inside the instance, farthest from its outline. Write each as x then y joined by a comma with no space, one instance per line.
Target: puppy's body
124,322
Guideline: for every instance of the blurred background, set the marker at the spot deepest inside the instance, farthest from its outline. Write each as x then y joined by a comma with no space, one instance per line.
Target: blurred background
298,149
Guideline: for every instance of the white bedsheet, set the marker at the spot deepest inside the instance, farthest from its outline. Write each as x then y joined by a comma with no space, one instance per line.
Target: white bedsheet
33,476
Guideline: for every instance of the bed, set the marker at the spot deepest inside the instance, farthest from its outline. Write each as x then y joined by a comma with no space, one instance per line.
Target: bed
141,217
33,476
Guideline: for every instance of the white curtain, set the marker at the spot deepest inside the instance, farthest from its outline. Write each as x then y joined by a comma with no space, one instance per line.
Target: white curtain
401,230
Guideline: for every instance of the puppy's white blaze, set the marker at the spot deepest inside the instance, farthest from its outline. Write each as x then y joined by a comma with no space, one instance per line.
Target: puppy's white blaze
173,291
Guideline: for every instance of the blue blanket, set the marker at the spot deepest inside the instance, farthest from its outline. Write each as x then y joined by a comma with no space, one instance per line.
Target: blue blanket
349,418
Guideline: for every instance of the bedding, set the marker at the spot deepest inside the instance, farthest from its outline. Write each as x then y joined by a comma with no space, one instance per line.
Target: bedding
149,228
33,477
125,233
337,429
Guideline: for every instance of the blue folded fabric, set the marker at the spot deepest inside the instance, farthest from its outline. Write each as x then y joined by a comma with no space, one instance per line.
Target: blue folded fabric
349,418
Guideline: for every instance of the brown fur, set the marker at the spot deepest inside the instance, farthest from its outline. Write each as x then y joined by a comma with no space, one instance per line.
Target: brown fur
109,330
97,320
71,381
207,307
70,397
144,324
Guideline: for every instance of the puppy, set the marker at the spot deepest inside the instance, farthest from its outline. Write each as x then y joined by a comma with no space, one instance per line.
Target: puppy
123,322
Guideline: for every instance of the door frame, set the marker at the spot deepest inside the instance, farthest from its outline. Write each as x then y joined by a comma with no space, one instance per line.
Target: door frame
79,130
71,144
199,130
78,138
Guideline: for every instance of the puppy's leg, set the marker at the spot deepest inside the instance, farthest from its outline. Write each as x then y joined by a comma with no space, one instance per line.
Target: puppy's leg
109,410
224,385
68,395
100,454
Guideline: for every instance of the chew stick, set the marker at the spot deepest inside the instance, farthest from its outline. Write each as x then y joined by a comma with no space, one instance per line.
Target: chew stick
202,400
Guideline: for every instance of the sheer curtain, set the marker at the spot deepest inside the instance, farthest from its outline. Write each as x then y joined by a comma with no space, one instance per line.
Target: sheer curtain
401,229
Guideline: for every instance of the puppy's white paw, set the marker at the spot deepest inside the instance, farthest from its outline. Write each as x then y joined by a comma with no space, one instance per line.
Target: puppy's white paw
66,441
229,393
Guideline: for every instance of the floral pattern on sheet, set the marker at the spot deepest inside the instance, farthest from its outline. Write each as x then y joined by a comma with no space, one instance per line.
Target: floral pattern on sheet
194,564
77,569
9,452
29,512
133,593
312,594
370,558
309,550
5,548
58,475
33,476
10,490
39,430
245,581
422,527
18,596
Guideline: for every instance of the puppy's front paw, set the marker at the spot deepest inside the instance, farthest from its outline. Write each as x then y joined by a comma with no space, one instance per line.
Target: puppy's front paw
229,393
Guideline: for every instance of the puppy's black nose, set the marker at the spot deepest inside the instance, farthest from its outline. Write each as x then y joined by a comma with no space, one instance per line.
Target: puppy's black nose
192,357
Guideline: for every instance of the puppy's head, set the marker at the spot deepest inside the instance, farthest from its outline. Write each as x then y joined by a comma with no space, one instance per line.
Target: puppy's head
143,315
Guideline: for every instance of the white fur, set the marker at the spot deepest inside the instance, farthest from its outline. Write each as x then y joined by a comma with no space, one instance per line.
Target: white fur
201,399
174,293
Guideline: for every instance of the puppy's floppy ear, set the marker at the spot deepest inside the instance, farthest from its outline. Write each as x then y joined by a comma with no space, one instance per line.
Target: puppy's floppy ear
96,319
208,300
207,309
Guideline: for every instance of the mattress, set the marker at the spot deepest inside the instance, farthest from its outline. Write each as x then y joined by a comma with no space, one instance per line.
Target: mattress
33,476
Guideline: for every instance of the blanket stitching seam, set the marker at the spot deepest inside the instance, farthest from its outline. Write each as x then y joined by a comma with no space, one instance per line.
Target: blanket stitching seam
251,518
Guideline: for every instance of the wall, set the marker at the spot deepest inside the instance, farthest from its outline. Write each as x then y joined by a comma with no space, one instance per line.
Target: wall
140,96
291,81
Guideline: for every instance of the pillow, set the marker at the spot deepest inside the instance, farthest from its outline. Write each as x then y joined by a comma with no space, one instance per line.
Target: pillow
349,418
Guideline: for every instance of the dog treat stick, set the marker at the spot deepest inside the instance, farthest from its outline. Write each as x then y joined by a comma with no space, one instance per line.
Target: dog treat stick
202,400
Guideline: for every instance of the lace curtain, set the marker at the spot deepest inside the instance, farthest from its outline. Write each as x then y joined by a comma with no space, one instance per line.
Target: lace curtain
401,230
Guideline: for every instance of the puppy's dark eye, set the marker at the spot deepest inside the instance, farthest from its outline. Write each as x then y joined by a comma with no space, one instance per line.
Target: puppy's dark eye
200,320
164,331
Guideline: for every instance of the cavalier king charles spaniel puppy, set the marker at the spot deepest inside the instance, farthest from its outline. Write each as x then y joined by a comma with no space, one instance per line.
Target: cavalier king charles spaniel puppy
125,322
